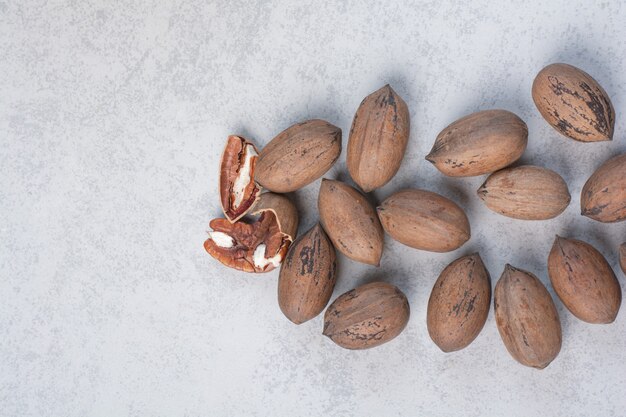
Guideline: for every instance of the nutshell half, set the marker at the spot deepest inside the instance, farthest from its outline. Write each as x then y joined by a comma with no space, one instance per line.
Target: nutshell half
257,246
238,190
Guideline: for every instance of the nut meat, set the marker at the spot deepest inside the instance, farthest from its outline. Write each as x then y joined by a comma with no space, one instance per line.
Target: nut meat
367,316
479,144
238,191
603,197
424,220
622,257
298,156
307,276
250,247
351,222
378,138
525,192
459,303
574,103
527,319
584,281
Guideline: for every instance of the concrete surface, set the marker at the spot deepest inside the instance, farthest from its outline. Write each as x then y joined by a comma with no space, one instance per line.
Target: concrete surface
112,119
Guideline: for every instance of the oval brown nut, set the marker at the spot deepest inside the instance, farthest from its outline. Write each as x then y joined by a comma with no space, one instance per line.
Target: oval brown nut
378,138
307,276
351,222
284,210
525,192
584,281
480,143
367,316
238,191
622,257
298,156
424,220
573,103
250,247
459,303
603,197
527,319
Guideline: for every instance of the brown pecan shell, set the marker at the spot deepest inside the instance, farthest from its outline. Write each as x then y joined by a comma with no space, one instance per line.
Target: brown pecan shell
238,191
259,246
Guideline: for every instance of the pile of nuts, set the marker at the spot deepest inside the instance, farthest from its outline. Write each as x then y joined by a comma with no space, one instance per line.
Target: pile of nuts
486,142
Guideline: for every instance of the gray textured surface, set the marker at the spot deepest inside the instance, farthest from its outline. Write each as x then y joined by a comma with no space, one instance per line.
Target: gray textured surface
112,119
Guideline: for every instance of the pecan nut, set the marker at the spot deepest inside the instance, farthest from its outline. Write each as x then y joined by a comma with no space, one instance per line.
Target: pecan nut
238,190
259,246
285,211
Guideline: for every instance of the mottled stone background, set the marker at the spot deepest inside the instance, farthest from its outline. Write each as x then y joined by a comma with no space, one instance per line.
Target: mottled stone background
112,119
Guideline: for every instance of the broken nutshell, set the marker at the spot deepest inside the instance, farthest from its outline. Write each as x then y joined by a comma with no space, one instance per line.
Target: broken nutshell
250,247
285,211
261,245
238,191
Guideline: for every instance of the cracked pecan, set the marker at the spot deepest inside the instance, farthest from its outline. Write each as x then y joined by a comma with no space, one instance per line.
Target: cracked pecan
259,246
238,191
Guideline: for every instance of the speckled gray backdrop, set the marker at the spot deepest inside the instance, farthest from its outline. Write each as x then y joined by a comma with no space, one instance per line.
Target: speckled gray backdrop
112,119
